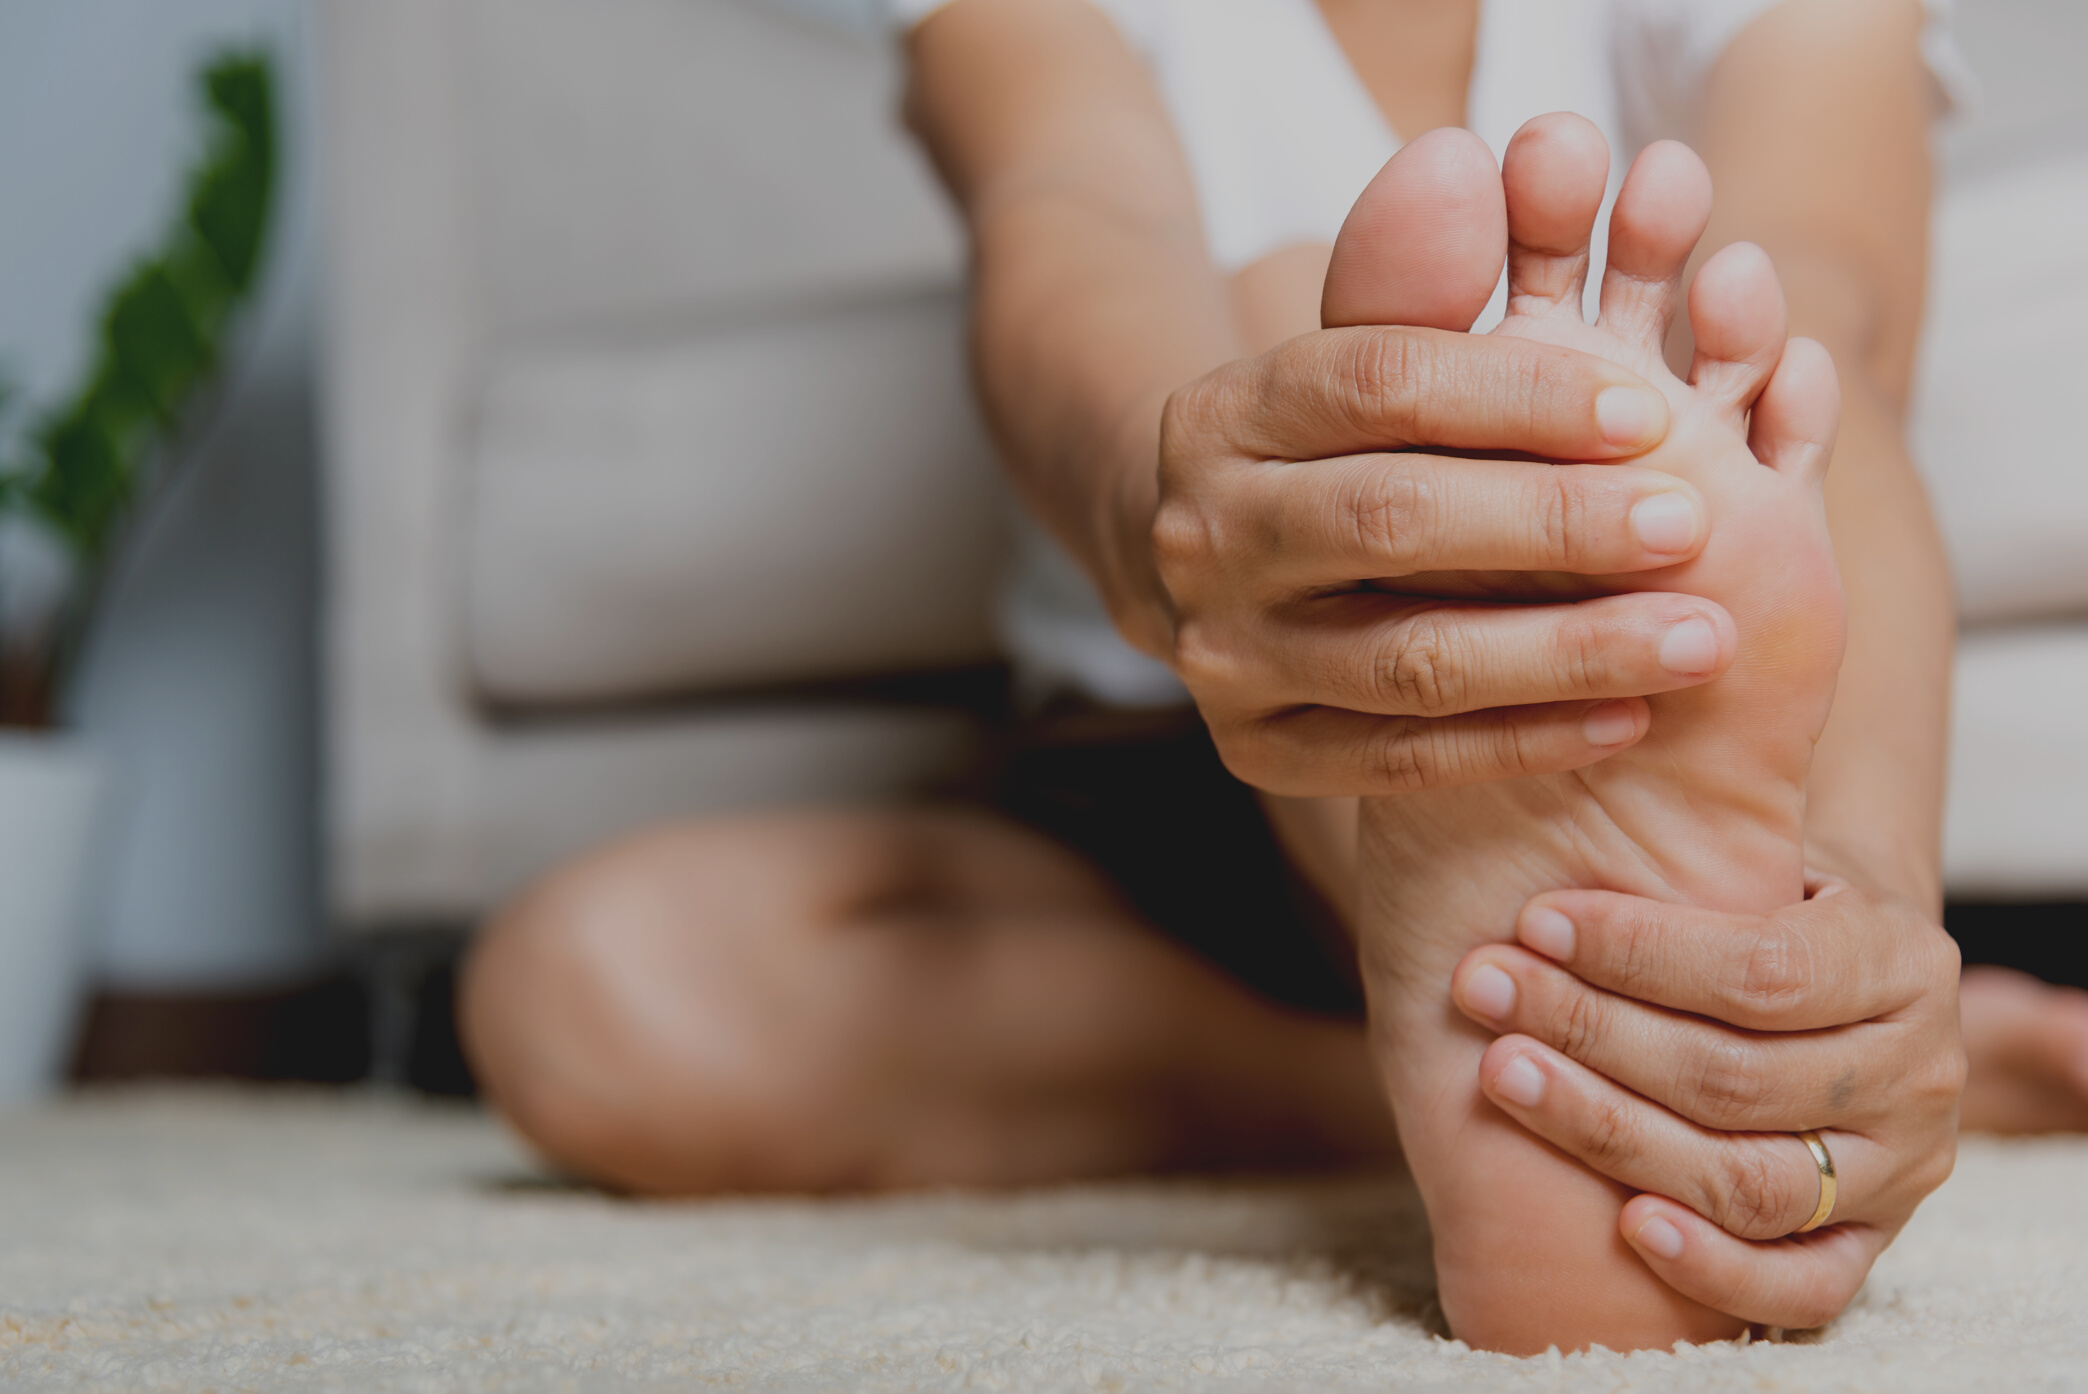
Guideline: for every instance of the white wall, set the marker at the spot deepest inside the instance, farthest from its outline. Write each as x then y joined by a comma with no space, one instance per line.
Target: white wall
200,677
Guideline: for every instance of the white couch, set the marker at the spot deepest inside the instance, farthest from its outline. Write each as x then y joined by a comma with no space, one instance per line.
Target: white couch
595,563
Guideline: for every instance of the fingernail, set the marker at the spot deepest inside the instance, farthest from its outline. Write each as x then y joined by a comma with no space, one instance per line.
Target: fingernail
1665,523
1629,415
1689,647
1522,1084
1612,723
1661,1237
1489,992
1548,932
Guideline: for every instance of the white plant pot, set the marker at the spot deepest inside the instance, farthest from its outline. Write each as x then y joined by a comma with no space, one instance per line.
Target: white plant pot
50,793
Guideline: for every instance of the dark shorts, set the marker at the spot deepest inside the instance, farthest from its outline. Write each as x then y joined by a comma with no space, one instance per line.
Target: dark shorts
1144,797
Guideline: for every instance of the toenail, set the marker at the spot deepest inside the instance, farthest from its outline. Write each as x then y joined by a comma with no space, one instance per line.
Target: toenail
1661,1237
1689,647
1612,723
1630,415
1490,992
1520,1082
1665,523
1548,932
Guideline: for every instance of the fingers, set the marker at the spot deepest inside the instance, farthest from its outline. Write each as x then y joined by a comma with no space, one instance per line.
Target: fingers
1554,175
1755,1185
1423,244
1369,652
1328,752
1798,414
1795,1283
1824,962
1661,211
1333,522
1350,391
1737,315
1704,1071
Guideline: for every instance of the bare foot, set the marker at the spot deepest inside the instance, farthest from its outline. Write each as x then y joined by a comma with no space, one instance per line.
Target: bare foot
1707,809
2027,1044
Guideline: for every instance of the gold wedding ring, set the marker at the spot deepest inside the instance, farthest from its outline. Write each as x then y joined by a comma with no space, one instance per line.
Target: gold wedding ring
1825,1162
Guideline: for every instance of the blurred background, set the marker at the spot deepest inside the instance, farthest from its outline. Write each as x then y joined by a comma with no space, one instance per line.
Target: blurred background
502,528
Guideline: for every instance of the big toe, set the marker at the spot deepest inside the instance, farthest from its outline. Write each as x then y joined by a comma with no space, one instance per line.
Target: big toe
1425,243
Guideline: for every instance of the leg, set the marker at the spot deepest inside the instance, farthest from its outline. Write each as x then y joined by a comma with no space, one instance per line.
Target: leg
2027,1045
814,1001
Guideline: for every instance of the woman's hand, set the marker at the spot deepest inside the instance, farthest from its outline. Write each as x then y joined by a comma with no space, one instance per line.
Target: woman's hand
1677,1050
1289,481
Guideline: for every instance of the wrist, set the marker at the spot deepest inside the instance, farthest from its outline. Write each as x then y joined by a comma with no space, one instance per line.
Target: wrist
1128,576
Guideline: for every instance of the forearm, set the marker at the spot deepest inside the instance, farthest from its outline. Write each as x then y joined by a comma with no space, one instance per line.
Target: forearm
1094,297
1084,324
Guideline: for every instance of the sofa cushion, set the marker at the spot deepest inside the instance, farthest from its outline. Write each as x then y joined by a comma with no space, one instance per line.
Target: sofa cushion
804,499
2017,820
2004,367
650,161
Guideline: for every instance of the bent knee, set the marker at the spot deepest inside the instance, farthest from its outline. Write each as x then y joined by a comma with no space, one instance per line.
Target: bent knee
641,1023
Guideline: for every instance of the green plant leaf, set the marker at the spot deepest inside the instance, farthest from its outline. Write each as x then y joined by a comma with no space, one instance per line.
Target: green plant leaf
162,327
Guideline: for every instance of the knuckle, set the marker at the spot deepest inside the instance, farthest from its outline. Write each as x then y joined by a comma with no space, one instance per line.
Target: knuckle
1183,538
1946,962
1392,516
1420,674
1936,1166
1578,656
1270,753
1776,972
1578,1024
1247,754
1610,1142
1940,1081
1516,750
1199,660
1635,958
1382,378
1758,1200
1196,412
1729,1087
1405,761
1558,518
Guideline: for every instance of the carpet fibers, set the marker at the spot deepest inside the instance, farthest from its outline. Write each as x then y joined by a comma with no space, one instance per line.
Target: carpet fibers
228,1241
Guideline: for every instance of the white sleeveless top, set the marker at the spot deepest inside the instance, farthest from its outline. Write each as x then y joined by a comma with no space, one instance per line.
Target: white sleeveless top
1281,136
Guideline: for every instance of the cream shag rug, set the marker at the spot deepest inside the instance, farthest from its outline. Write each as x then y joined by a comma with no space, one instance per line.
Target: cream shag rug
224,1241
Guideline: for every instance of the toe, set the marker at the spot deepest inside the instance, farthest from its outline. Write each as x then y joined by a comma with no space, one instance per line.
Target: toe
1424,243
1737,316
1798,413
1553,175
1661,212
